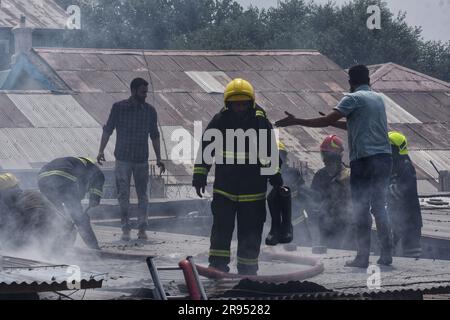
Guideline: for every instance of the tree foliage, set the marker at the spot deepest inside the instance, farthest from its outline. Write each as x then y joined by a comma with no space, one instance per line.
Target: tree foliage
339,32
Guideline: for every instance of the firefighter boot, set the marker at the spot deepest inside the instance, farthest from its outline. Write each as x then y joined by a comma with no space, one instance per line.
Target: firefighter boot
275,213
287,232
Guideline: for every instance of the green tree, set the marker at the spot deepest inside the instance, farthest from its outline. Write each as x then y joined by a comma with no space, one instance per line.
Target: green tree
435,59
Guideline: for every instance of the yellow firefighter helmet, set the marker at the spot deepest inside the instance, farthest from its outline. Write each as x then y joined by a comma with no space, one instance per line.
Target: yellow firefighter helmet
8,181
399,140
281,146
239,90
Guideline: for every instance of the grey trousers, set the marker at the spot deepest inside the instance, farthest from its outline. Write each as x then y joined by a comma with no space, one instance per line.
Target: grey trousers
140,172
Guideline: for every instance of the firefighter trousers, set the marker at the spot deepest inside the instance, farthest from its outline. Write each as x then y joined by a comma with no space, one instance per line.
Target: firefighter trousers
250,222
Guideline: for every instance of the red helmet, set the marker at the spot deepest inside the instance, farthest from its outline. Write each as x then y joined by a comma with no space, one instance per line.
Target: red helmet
332,144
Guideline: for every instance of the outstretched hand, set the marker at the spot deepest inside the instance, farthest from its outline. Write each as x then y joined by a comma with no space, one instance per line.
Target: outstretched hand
290,120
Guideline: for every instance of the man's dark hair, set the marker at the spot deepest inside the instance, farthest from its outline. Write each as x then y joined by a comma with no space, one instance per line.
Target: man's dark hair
359,75
136,83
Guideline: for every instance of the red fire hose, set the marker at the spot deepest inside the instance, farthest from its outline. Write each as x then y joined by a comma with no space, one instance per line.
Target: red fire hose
316,269
189,276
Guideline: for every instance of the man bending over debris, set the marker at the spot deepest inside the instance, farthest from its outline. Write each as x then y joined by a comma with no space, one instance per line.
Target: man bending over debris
65,182
29,221
371,160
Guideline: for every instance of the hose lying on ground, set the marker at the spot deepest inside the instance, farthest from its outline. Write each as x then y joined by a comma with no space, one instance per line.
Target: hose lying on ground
316,269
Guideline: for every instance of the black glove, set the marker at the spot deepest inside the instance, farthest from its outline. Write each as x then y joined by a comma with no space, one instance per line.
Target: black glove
276,180
199,183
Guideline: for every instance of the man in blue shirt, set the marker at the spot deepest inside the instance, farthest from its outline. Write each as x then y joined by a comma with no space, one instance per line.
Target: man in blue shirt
370,156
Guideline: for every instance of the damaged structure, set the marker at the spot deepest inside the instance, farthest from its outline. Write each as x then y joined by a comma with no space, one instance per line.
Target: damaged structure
54,102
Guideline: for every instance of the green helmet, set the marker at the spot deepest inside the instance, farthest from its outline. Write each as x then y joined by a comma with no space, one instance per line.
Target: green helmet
399,140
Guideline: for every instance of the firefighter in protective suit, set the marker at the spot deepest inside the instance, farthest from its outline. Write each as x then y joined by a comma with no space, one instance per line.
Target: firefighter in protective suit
332,212
29,221
240,187
403,201
65,182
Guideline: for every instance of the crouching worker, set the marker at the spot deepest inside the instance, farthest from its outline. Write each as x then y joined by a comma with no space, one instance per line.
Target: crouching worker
240,186
403,201
28,221
65,182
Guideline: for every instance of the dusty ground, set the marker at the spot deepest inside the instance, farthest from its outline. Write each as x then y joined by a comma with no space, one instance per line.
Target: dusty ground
128,276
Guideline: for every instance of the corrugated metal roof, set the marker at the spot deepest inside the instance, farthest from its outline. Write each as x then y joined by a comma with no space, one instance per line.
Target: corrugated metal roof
53,111
436,133
208,80
10,154
27,276
424,106
393,77
10,116
395,113
441,159
229,63
44,14
187,87
27,148
104,81
22,147
98,105
174,81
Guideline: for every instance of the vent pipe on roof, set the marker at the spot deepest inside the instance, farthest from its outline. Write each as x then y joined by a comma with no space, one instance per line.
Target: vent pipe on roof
23,39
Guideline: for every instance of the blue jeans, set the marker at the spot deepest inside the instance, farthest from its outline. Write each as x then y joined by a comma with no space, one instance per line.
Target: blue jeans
369,183
140,172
